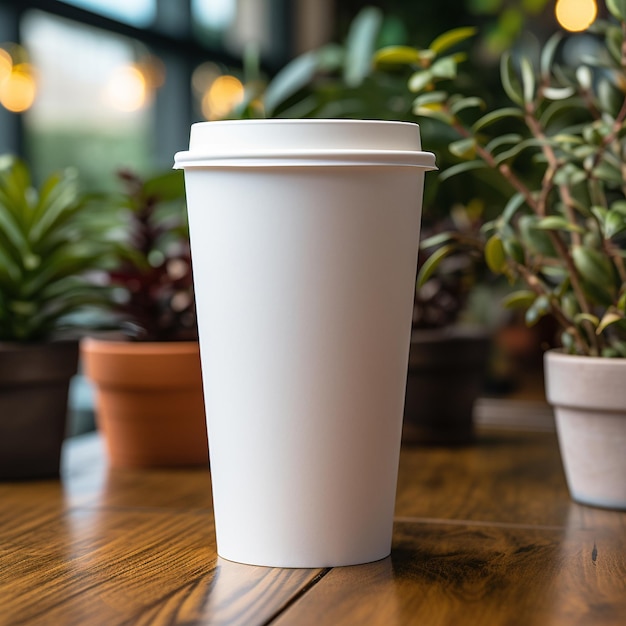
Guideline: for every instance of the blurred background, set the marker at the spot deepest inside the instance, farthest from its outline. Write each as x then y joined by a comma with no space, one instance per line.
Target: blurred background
104,84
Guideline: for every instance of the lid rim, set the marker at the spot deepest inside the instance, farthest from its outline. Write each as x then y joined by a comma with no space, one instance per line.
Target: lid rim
416,158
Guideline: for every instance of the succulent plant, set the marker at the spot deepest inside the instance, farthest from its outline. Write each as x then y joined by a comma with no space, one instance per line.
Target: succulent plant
561,147
51,240
152,280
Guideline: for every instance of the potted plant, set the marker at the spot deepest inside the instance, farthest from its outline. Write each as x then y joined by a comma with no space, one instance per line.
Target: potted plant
561,235
51,238
448,357
149,401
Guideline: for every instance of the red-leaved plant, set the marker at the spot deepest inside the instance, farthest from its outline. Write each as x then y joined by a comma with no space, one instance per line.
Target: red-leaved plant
152,283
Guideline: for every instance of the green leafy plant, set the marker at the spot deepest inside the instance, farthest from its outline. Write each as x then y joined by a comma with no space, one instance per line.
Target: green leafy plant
561,148
152,281
51,240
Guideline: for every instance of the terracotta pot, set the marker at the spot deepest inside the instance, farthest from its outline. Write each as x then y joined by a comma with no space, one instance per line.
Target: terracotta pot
588,395
34,383
149,401
446,374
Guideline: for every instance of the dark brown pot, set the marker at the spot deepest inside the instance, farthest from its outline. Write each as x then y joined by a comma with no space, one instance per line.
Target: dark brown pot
446,375
34,384
149,401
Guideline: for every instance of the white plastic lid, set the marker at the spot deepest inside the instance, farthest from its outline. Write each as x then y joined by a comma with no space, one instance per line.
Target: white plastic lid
309,142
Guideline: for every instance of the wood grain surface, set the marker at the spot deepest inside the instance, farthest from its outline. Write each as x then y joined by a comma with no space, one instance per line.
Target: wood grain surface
455,573
485,534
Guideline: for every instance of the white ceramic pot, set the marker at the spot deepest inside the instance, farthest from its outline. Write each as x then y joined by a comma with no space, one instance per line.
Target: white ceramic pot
588,395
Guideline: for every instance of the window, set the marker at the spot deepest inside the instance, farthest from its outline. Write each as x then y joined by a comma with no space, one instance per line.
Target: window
94,107
111,83
137,12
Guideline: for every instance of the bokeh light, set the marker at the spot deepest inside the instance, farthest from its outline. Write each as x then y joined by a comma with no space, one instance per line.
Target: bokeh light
576,15
127,89
18,87
6,64
153,70
203,77
224,94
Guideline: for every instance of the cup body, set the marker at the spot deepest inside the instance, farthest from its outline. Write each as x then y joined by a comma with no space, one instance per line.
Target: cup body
304,270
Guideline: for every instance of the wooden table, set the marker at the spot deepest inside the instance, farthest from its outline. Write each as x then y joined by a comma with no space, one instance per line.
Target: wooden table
483,535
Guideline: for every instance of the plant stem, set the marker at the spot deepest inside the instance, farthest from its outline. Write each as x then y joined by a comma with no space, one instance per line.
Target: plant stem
535,284
505,171
568,202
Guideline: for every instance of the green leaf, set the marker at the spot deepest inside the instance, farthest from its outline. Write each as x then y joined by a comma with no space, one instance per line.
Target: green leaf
556,222
503,140
11,237
537,240
610,317
547,55
570,175
558,107
166,187
512,206
431,97
58,201
519,299
509,80
452,38
496,116
566,139
558,93
420,80
569,303
568,341
616,350
555,273
514,249
584,77
528,79
398,55
463,148
617,8
597,294
431,263
614,223
360,45
9,271
466,103
613,40
436,240
460,168
495,255
538,309
516,150
599,212
619,206
582,151
594,267
587,317
444,68
289,80
330,57
608,173
433,111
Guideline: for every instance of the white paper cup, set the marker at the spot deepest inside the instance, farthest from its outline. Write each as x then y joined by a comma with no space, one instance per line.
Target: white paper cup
304,239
